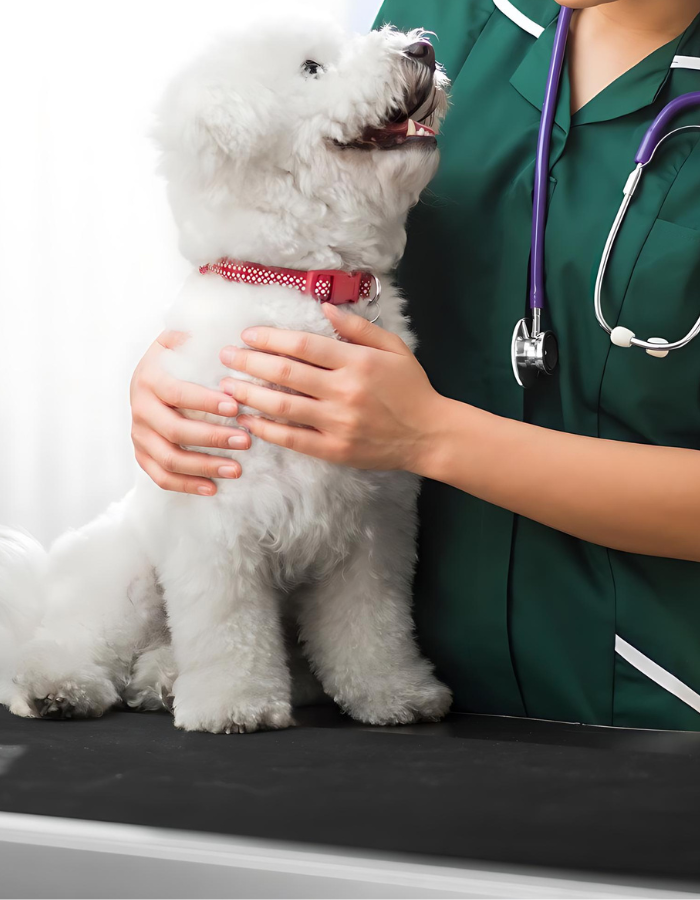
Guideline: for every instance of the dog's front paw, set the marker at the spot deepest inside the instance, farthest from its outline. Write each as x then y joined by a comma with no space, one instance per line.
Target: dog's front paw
202,705
401,704
53,685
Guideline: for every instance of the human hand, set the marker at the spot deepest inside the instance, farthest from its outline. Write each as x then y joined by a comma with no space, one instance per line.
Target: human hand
365,402
159,430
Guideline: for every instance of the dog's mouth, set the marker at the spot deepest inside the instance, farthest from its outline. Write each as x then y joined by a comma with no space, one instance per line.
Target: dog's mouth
396,134
415,122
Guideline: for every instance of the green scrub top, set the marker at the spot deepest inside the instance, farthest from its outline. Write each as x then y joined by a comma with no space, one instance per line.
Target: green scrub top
521,619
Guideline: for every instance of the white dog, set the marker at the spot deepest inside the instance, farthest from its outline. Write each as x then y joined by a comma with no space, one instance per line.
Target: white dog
290,146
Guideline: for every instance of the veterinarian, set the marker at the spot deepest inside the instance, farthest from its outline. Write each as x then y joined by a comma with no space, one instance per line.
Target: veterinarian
559,572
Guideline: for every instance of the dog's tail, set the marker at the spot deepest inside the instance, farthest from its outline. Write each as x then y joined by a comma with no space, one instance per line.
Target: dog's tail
22,568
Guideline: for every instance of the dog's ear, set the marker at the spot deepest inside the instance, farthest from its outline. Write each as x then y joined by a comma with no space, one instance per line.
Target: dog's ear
205,122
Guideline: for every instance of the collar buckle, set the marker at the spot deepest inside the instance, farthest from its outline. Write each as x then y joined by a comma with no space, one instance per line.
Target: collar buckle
333,286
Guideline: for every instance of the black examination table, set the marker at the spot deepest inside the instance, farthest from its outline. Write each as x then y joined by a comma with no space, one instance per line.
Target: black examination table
473,807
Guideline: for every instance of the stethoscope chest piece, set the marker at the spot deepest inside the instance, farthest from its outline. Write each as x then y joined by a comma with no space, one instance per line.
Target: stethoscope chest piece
531,354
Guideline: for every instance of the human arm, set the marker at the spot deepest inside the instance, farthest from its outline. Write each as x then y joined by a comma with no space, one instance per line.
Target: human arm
159,429
370,405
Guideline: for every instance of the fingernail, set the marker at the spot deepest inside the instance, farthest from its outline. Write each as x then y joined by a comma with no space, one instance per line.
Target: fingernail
228,355
228,472
227,409
206,489
238,442
250,335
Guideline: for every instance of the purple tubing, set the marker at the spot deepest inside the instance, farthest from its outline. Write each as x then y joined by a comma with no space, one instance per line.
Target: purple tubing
541,190
658,127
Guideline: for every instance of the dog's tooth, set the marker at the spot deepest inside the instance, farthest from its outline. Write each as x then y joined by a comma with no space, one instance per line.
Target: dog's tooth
421,132
411,130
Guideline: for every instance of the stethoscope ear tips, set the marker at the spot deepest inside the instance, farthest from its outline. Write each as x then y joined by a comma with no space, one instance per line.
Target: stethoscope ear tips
659,354
622,337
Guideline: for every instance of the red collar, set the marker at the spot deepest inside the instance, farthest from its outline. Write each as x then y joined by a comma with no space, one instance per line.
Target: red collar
325,285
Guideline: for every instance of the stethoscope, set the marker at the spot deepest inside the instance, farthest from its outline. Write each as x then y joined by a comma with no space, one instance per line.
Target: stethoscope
533,350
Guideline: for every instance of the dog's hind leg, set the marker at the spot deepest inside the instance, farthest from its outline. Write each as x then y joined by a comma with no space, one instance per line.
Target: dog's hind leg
102,599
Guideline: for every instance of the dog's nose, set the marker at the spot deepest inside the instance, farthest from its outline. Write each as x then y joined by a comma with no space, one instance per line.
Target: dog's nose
422,52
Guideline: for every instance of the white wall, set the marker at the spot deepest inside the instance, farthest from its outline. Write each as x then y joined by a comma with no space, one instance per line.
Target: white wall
87,250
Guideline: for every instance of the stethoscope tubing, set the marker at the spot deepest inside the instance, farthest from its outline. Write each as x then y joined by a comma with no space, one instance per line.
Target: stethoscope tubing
645,155
544,139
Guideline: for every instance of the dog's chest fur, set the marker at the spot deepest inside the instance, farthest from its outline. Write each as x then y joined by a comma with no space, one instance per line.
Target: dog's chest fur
299,512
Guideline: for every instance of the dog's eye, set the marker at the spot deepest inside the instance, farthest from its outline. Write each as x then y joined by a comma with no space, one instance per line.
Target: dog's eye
313,68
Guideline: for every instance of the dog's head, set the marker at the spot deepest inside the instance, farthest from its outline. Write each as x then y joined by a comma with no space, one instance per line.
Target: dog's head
297,144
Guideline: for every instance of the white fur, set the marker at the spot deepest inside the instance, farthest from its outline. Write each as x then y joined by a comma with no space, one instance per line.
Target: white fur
22,565
253,172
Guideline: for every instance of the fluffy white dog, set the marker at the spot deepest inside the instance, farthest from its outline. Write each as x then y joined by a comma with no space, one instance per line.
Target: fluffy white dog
293,145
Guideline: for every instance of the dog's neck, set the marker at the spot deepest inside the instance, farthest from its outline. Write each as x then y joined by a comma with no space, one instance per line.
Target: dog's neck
316,239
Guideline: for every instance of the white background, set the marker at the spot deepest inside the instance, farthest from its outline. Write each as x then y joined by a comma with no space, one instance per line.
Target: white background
88,255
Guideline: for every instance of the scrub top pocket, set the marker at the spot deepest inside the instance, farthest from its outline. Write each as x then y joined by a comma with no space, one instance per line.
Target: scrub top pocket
662,300
666,276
